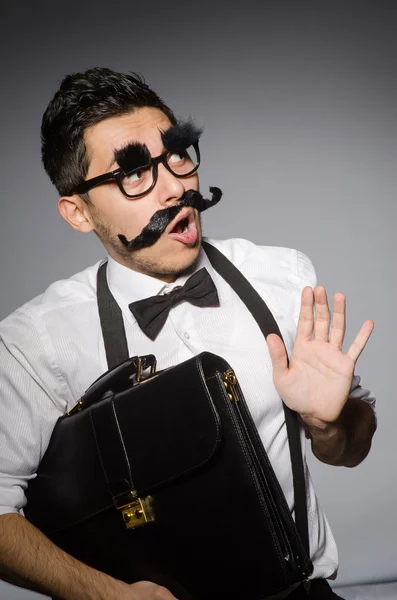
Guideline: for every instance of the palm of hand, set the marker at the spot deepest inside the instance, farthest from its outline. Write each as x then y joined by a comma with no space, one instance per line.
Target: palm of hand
318,379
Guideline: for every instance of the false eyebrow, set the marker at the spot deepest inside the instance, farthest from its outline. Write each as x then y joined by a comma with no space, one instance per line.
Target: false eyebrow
181,135
132,156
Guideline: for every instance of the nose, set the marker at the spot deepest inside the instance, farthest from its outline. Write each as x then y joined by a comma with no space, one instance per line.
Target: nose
169,187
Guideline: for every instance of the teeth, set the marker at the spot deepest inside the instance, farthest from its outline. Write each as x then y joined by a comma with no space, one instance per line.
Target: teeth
182,226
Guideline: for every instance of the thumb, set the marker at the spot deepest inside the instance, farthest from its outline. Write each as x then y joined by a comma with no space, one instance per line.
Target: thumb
278,355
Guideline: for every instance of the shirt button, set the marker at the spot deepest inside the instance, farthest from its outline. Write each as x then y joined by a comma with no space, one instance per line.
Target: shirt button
187,336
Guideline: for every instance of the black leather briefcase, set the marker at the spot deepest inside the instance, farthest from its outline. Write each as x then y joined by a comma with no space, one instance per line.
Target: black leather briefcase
167,480
163,477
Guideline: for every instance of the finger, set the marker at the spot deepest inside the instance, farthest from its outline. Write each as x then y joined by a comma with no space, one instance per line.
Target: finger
304,330
322,321
338,321
360,340
278,355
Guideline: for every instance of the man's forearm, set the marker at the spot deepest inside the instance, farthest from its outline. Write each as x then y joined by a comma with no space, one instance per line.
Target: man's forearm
29,559
347,441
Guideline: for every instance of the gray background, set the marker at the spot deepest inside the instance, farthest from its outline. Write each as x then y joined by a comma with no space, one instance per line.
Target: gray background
298,101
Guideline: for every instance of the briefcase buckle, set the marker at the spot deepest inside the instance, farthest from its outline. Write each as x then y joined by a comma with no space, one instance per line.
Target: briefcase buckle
135,511
144,362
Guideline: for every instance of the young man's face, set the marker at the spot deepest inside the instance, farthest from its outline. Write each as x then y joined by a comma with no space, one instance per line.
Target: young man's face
112,213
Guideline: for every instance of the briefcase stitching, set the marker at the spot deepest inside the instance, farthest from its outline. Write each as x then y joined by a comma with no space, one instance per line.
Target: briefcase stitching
122,443
286,510
253,474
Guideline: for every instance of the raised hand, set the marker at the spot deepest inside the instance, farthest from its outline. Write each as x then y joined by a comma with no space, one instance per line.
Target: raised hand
317,381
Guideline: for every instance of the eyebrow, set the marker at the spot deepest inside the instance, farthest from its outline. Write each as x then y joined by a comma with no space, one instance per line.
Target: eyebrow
131,156
177,138
181,135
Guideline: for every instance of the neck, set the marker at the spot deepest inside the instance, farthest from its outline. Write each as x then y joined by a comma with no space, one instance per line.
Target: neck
150,270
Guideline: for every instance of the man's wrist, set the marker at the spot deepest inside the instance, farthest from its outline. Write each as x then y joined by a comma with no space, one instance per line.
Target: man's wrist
328,440
345,441
322,429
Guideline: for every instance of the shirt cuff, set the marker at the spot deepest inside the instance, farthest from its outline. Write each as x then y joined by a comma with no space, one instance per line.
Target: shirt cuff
5,510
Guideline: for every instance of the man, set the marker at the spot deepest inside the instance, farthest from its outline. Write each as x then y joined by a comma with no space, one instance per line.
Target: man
121,163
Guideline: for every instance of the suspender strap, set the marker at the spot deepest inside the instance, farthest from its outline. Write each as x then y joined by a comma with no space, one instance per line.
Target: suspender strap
112,324
117,351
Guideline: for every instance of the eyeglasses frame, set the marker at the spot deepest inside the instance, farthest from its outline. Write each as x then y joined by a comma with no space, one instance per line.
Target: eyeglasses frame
117,174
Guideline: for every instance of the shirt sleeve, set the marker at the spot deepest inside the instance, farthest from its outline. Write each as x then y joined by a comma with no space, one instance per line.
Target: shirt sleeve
307,276
31,401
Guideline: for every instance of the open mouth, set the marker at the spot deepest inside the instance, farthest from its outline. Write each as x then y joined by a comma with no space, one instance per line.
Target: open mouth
183,220
181,226
185,229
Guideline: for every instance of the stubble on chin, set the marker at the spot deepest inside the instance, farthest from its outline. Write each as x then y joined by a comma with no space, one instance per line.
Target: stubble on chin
163,269
150,261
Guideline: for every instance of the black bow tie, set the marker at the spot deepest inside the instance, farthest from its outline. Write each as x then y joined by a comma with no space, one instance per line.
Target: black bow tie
151,313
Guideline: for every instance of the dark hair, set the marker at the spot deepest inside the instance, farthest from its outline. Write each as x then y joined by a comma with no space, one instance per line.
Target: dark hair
83,100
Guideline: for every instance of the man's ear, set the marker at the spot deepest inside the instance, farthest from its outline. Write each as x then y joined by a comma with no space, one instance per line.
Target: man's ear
76,212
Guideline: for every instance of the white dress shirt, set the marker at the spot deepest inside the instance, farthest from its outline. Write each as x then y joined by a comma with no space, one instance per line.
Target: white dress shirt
51,350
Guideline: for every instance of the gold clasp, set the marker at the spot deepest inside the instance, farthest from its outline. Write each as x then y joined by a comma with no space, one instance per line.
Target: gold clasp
141,365
230,382
75,408
135,511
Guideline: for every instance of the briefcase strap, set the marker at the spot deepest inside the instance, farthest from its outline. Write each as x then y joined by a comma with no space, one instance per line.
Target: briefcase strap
116,349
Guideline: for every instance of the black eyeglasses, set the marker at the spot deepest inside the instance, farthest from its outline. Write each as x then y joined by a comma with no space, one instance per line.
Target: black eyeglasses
141,180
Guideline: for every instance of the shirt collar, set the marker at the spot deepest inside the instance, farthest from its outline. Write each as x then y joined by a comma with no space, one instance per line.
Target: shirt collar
128,285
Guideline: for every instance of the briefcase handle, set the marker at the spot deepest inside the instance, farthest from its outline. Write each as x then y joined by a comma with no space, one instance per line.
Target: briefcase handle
130,370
